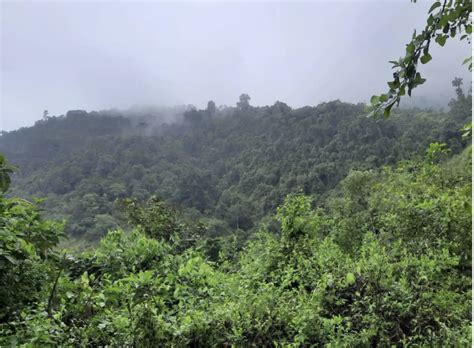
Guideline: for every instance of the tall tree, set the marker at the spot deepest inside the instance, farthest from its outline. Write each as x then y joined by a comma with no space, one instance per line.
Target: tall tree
243,103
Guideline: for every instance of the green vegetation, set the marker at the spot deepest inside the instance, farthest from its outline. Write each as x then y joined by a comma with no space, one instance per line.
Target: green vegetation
244,226
347,231
446,19
228,167
386,260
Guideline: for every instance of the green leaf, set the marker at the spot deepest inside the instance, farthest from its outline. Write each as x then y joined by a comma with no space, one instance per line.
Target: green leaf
446,28
417,77
410,48
402,90
350,278
466,130
430,20
453,32
426,58
469,29
386,112
453,15
434,6
69,294
441,39
393,85
374,100
443,22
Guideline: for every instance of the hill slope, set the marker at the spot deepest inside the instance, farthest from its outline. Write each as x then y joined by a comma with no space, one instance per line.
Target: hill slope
230,167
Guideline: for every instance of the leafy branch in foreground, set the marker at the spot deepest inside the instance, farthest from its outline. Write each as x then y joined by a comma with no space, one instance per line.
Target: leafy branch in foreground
446,19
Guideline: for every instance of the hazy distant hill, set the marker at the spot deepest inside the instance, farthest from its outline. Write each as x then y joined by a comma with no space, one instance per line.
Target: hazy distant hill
231,166
434,102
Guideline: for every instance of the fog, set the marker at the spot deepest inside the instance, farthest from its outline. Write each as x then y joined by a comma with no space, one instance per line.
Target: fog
98,55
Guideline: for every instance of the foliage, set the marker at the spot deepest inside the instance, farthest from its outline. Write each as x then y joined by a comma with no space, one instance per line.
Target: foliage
159,220
447,19
228,167
26,253
370,244
384,260
5,171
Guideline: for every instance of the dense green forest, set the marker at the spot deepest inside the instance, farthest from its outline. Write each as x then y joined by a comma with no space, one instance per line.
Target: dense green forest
228,167
336,225
238,226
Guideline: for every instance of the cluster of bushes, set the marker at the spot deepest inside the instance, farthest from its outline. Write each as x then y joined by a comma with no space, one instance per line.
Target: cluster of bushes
384,260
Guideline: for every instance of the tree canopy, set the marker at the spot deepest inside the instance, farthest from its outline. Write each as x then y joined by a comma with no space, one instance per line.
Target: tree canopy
231,168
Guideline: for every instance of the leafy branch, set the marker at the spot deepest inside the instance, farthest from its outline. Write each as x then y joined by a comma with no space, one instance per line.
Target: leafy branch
445,20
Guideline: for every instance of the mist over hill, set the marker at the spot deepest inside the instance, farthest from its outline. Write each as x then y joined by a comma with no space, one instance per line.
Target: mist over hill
230,166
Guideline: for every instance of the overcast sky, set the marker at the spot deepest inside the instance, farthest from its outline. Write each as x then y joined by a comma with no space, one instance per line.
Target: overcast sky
98,55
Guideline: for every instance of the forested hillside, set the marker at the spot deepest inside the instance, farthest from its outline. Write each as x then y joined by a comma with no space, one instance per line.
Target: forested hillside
387,262
230,167
335,225
359,228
